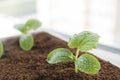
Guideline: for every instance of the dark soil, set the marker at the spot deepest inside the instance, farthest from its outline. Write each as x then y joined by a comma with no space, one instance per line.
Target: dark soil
17,64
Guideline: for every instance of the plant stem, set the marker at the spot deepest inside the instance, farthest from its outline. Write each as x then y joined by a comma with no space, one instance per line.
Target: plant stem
76,69
76,54
76,57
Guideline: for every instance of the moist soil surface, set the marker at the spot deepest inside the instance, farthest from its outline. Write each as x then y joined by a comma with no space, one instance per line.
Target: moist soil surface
17,64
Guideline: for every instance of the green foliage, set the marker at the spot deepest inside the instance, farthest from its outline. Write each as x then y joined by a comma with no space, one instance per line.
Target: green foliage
21,28
32,24
26,41
1,49
88,64
84,42
59,55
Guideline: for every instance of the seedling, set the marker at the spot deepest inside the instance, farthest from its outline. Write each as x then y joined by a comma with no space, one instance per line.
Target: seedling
26,41
1,49
83,42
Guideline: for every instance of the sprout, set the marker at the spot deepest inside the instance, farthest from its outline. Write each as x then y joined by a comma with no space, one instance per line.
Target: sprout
84,42
1,49
26,41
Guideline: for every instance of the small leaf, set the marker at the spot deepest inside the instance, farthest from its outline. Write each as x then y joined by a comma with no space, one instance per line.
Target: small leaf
26,42
88,64
33,24
21,28
59,55
1,49
84,41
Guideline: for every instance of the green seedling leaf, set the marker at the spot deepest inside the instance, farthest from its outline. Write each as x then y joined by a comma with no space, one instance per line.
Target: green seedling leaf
84,41
1,49
33,24
21,28
88,64
59,55
26,42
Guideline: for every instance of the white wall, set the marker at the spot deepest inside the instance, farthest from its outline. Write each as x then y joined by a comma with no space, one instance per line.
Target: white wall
73,16
17,7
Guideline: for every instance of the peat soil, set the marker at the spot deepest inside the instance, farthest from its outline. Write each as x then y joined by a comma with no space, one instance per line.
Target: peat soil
17,64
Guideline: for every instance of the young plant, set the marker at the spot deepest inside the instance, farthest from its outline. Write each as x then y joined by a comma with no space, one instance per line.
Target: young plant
26,41
1,49
83,42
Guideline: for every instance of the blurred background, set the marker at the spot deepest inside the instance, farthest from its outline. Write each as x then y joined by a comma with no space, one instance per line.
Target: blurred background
65,16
